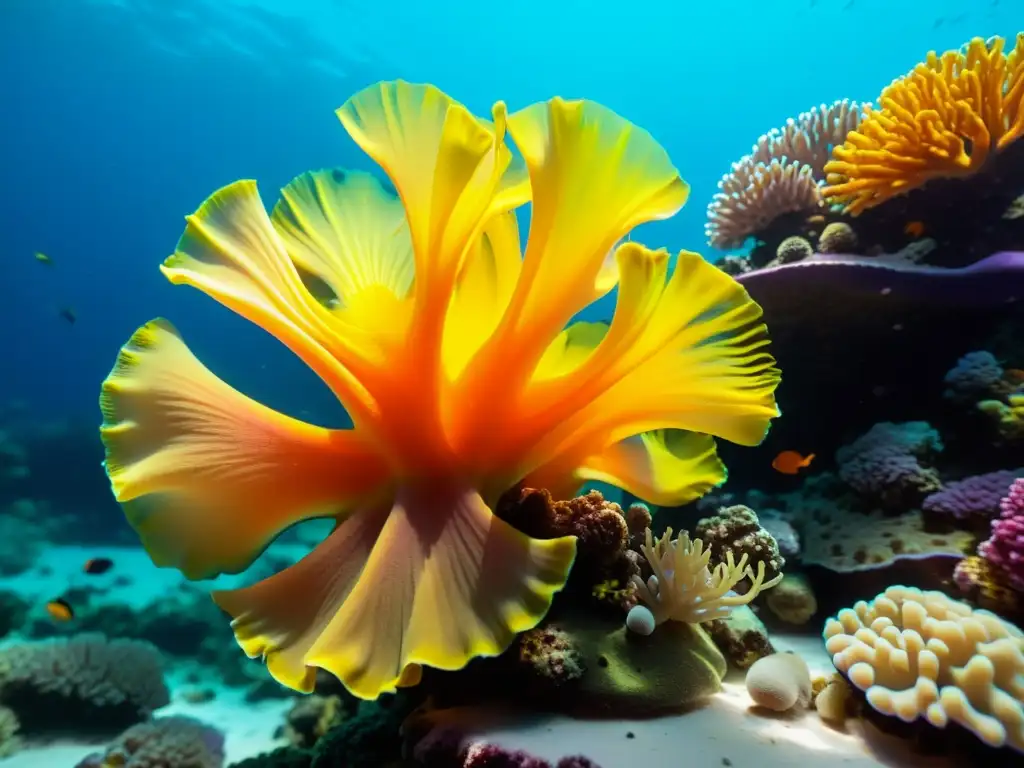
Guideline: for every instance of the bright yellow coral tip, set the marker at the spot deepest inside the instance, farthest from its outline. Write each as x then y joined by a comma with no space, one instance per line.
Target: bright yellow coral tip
943,119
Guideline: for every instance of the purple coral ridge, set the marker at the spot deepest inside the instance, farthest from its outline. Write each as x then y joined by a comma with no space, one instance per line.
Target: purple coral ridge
1005,548
974,377
993,281
973,497
884,465
494,756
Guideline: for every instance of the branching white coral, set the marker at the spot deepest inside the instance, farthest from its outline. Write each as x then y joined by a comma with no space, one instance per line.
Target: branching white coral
684,588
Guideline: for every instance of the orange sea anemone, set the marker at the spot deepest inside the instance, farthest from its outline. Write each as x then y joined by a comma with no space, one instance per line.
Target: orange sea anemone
945,118
455,355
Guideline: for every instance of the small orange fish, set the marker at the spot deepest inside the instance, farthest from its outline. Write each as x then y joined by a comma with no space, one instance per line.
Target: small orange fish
60,610
98,565
1014,375
914,228
791,462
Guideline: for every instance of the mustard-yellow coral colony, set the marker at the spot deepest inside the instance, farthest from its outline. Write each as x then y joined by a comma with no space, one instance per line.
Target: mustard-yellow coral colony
945,118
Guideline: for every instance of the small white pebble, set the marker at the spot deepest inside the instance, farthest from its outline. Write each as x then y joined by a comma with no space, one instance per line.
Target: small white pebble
640,620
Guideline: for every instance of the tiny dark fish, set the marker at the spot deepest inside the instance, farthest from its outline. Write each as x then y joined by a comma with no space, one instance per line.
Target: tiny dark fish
849,5
938,23
68,314
60,610
97,565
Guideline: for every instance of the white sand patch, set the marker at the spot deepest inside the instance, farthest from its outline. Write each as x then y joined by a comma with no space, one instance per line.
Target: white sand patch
727,731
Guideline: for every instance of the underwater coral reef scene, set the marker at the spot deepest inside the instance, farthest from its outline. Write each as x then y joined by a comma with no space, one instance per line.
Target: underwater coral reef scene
560,385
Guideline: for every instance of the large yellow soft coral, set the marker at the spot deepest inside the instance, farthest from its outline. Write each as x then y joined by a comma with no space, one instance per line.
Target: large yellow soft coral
943,119
450,350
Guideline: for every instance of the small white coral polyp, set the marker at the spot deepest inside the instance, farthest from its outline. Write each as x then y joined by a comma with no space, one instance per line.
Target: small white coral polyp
684,588
924,655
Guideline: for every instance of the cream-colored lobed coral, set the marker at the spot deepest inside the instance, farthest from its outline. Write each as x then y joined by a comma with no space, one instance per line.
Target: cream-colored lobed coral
684,588
924,655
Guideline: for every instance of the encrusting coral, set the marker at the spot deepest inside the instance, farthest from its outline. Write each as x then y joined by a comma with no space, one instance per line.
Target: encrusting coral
737,530
945,118
845,540
311,717
793,599
165,742
976,376
1008,417
793,249
550,657
988,586
684,588
884,465
974,499
922,655
741,636
83,683
454,353
10,742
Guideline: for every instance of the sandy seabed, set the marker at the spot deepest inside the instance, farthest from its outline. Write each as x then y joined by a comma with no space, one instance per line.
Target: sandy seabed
725,732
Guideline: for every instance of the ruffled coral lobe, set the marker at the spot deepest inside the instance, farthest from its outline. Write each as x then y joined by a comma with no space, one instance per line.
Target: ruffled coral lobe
449,348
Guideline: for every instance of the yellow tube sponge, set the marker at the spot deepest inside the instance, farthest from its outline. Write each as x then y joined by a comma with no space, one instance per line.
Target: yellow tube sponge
924,655
945,118
684,588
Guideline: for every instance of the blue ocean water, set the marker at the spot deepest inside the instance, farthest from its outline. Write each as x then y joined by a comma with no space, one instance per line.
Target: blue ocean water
121,116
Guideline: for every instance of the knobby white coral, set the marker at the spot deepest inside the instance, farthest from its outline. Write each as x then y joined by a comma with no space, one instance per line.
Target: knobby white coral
923,655
684,588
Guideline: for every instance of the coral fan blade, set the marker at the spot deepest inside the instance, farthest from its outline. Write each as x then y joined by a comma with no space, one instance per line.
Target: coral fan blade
445,581
699,363
629,180
448,167
343,228
209,476
231,252
667,467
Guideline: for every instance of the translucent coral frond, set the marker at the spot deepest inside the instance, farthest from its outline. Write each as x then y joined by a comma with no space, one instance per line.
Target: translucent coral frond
452,171
346,232
593,178
686,352
231,252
